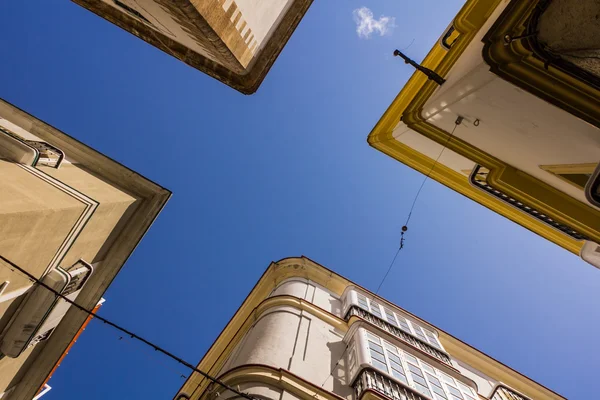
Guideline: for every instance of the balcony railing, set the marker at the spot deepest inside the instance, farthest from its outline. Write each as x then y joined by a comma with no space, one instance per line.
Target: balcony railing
504,393
399,333
371,379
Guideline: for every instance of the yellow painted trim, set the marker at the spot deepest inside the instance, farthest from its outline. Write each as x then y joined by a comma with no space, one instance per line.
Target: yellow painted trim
587,168
517,64
560,170
460,183
303,267
407,106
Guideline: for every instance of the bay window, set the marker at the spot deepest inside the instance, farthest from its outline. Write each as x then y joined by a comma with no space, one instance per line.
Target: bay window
413,372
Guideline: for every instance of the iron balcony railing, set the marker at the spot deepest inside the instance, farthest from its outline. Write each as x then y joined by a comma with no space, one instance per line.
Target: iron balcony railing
399,333
373,380
504,393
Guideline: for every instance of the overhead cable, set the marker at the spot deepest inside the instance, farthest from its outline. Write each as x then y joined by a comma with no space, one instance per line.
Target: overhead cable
128,332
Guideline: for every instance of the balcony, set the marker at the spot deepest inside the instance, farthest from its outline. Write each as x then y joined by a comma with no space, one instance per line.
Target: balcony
369,379
504,393
400,334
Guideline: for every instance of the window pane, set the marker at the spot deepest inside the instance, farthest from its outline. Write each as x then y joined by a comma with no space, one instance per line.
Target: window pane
415,370
419,332
399,376
410,358
439,392
432,339
397,367
447,379
375,309
362,301
454,392
373,338
423,389
428,368
403,324
376,347
389,315
434,381
419,380
379,365
394,358
376,356
390,347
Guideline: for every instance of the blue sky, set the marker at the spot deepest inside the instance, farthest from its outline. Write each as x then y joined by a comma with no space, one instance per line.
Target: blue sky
285,172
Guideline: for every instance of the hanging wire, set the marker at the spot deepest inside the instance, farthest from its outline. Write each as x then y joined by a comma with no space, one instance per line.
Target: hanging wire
132,335
458,121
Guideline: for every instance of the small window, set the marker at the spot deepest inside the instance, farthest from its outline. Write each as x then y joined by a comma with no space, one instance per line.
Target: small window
436,386
414,372
419,332
403,324
362,302
455,394
375,310
432,339
419,379
389,315
377,353
467,391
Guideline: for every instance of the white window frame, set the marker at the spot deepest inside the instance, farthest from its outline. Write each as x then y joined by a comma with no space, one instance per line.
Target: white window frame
424,367
413,327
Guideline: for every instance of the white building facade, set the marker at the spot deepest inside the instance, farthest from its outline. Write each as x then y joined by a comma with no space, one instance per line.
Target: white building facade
315,334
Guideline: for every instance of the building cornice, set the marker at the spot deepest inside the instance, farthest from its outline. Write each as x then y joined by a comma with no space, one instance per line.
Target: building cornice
303,267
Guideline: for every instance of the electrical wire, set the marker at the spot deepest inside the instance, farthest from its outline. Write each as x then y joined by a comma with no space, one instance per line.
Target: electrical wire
458,121
190,366
127,332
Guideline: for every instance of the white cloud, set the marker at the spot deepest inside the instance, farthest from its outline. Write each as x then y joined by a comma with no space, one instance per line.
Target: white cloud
366,24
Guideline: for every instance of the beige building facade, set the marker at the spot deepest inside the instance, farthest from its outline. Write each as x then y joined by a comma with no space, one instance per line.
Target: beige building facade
70,217
234,41
305,332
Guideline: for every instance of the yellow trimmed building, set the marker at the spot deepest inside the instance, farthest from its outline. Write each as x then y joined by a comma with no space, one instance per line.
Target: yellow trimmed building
515,124
305,332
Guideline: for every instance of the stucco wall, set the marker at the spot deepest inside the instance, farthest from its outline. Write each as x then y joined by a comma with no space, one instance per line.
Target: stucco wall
484,383
33,215
262,391
114,205
570,29
292,339
310,291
